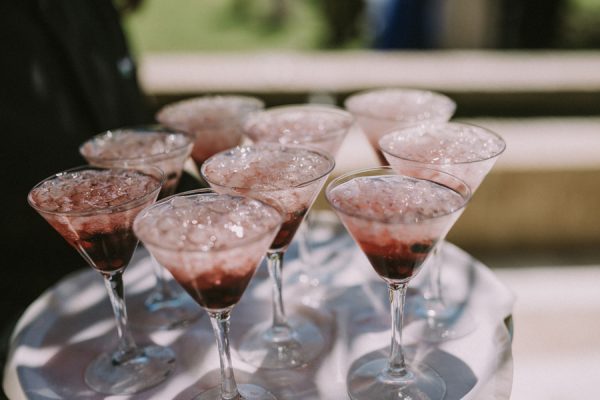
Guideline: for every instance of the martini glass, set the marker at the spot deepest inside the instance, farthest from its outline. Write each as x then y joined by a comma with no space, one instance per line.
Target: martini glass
214,121
93,209
212,244
167,305
379,111
396,219
463,150
288,178
319,126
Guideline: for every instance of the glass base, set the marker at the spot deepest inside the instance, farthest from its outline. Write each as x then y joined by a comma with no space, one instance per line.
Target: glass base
438,322
147,368
162,312
262,348
437,330
247,392
370,380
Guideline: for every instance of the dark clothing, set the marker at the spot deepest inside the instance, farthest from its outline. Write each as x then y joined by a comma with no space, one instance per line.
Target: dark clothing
65,74
408,24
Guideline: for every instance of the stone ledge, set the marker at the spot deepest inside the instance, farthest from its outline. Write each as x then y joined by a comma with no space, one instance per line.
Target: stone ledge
347,71
489,83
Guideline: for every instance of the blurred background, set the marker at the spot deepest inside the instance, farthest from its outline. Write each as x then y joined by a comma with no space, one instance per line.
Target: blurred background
528,69
236,25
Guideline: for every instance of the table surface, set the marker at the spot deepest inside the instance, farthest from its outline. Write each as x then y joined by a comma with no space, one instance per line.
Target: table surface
66,327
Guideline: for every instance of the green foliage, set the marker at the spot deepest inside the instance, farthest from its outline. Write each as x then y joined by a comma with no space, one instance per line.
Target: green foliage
581,27
246,25
224,25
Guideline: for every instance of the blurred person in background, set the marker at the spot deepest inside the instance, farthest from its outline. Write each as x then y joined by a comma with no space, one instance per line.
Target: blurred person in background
66,74
405,24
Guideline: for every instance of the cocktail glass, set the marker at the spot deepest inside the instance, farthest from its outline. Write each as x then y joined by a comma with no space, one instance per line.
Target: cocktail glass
379,111
288,178
319,126
167,305
93,209
396,219
214,121
212,244
463,150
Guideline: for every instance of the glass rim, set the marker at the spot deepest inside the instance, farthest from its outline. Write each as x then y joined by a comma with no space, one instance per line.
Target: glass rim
128,205
466,197
145,159
451,104
192,101
397,131
322,153
275,111
221,248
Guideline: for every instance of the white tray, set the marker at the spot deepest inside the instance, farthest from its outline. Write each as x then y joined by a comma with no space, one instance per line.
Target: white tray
67,326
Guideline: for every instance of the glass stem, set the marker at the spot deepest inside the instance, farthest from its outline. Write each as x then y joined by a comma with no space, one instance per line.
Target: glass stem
304,249
126,347
220,324
397,365
162,287
434,290
280,329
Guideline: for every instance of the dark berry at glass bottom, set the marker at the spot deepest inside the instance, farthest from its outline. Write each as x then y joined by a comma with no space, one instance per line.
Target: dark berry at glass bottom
107,251
215,289
288,230
399,261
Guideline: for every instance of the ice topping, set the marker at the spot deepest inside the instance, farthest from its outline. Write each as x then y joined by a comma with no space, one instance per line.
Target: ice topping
448,143
402,105
132,144
206,112
92,190
206,222
300,124
266,167
394,199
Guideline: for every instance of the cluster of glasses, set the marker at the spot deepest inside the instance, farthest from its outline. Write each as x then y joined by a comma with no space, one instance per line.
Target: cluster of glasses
212,240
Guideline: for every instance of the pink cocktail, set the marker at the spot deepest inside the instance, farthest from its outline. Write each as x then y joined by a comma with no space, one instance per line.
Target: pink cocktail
463,150
214,121
288,178
94,210
319,126
139,147
396,219
212,244
166,306
381,110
